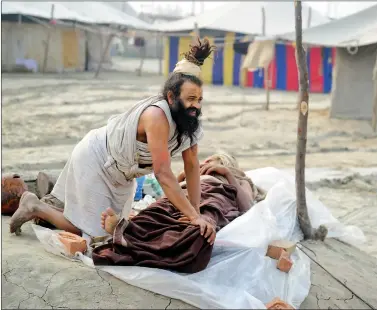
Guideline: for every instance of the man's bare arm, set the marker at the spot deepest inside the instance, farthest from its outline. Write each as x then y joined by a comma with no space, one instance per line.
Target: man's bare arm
191,166
156,127
181,177
244,192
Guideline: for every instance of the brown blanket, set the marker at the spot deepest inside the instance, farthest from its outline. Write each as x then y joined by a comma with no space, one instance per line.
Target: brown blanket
155,237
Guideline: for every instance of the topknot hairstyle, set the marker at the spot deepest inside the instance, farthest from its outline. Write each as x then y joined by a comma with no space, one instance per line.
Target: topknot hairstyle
199,51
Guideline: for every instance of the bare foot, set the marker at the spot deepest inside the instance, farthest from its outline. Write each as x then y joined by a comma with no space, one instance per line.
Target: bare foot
26,211
109,220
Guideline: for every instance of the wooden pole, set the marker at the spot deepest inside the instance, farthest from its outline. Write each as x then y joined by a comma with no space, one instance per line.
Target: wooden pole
159,45
266,70
267,87
104,55
142,57
196,30
309,21
374,117
303,101
47,47
263,21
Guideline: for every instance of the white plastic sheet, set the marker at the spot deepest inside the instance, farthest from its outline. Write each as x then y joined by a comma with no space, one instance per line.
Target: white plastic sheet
239,274
318,213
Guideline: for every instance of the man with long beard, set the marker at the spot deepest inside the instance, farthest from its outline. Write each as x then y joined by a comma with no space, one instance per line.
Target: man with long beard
101,171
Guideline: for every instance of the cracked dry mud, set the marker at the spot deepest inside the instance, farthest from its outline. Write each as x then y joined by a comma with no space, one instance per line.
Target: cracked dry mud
35,279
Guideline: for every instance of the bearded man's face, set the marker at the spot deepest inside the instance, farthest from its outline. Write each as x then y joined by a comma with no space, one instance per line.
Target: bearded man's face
186,109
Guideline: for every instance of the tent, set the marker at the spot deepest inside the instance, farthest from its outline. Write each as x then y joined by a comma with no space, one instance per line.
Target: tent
24,38
103,13
355,40
226,25
123,6
247,18
75,42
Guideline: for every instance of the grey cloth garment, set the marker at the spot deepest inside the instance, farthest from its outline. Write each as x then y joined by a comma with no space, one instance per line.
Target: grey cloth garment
125,152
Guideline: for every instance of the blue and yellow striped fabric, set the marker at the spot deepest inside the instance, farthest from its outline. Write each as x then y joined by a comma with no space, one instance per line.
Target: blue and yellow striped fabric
222,68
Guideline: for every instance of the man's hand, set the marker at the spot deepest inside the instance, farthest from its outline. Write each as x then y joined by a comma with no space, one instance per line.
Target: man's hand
209,168
207,230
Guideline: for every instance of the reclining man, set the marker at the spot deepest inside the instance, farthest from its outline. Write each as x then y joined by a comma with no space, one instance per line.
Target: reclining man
162,237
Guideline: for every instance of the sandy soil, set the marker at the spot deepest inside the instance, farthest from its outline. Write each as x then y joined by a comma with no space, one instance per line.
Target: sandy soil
43,117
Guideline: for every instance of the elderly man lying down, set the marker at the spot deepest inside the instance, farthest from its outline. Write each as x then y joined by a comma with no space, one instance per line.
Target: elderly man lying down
160,236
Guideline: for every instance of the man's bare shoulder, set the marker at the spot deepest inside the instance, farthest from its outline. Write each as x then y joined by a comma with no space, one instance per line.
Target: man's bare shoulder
154,113
153,116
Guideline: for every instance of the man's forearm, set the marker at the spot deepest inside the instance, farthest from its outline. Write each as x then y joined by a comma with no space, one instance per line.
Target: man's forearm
193,184
181,177
243,199
176,196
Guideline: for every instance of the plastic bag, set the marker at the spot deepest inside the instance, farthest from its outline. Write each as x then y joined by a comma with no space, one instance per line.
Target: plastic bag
319,214
143,203
239,275
51,243
50,240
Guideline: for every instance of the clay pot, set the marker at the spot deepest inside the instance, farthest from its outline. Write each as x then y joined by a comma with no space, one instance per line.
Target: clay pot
12,188
73,243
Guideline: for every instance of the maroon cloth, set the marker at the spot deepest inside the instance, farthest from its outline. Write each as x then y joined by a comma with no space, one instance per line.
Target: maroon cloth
155,237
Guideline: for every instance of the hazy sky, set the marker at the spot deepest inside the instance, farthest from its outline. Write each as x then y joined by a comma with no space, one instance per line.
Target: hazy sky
335,9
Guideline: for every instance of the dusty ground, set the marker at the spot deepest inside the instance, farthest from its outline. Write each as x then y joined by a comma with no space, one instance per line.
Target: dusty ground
43,117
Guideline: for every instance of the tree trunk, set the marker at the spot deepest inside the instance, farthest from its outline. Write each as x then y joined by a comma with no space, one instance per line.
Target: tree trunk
303,112
103,56
267,82
47,47
374,116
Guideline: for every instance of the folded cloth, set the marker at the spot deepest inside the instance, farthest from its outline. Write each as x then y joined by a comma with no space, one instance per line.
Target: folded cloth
155,237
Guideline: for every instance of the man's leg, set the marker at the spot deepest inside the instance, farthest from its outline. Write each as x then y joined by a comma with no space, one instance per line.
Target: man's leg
54,203
31,207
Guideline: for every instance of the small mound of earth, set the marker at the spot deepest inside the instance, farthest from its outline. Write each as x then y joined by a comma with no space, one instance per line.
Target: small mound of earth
355,182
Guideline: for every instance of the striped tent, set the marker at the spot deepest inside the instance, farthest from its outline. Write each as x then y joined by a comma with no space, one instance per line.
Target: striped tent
235,22
224,68
283,70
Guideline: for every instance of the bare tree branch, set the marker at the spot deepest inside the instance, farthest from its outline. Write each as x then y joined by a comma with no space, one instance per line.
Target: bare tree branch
303,112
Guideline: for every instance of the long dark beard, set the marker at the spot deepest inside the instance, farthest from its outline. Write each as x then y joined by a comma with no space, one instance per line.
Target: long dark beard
187,124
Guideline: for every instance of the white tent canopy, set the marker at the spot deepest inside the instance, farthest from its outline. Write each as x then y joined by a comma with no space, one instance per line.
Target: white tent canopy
86,12
42,10
358,29
103,13
247,18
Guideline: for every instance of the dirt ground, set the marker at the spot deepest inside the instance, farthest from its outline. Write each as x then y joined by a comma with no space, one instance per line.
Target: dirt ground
43,117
